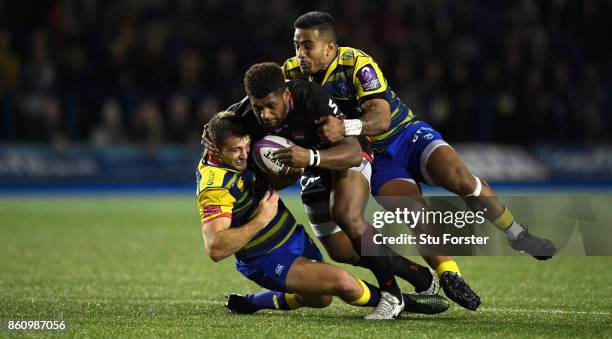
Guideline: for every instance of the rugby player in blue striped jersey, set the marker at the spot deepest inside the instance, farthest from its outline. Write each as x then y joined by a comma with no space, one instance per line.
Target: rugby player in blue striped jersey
407,150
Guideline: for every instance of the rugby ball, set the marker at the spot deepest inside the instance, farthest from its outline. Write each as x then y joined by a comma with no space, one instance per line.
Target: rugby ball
262,154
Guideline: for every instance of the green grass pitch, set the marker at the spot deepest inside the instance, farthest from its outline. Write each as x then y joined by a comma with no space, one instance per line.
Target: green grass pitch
135,266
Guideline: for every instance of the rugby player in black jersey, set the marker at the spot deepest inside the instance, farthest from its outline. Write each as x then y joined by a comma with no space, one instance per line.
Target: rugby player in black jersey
290,110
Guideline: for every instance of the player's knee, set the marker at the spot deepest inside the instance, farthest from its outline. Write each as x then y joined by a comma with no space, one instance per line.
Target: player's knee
460,181
339,248
349,220
415,204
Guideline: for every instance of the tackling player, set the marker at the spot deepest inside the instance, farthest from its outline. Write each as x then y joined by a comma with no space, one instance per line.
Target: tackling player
240,216
408,151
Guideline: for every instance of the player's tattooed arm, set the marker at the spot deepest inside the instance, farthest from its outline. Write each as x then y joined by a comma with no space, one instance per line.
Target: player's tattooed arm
221,241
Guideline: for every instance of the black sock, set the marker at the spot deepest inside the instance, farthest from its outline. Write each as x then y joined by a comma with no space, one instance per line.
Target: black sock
377,261
417,275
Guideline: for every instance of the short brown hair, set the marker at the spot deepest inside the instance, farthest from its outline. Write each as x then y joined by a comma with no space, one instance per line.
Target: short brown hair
262,79
224,125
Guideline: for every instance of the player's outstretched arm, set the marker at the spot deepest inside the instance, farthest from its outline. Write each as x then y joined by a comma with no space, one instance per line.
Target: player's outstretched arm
221,241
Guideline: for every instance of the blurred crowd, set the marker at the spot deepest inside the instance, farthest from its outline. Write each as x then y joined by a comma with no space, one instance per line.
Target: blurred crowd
154,71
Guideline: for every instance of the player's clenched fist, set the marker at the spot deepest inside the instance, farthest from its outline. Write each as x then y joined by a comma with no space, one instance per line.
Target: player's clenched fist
331,129
268,206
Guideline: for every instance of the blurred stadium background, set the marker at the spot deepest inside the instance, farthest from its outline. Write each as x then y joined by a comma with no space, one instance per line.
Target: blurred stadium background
117,92
109,97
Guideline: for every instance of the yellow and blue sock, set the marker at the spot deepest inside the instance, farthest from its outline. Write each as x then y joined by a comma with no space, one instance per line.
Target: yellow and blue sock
274,300
370,296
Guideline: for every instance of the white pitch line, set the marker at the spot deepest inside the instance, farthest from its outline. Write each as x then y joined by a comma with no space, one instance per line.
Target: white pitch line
538,310
517,310
219,302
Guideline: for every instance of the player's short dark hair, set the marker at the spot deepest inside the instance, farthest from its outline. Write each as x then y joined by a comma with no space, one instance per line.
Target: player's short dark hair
262,79
224,125
325,23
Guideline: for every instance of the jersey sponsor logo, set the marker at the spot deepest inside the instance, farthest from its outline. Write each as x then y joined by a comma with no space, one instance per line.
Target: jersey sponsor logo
279,269
334,107
306,181
420,131
209,210
211,178
368,78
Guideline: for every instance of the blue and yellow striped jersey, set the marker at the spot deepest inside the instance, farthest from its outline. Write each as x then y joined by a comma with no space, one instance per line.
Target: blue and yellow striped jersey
352,78
225,192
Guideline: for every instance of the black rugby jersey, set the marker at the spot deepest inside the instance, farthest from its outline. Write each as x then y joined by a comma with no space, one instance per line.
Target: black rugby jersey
310,102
